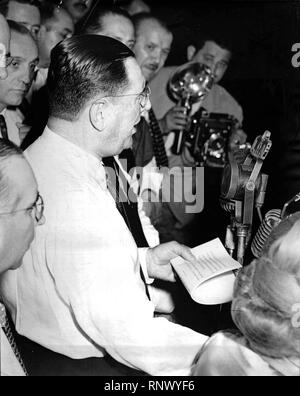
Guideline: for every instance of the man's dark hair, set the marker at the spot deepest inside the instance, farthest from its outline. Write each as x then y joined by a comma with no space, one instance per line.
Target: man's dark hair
18,28
7,150
83,67
95,22
221,39
141,17
4,4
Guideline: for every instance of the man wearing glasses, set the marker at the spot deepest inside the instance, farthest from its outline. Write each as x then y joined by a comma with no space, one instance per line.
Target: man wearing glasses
20,212
83,289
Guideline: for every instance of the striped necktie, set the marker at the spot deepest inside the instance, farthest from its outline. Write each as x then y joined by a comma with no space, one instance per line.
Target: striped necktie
4,324
157,141
3,127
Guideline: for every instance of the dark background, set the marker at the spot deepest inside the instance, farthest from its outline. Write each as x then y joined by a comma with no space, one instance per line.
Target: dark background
261,76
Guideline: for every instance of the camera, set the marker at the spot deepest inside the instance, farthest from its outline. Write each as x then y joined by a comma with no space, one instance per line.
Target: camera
207,137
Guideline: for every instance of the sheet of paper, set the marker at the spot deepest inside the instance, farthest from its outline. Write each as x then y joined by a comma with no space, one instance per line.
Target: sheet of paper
209,279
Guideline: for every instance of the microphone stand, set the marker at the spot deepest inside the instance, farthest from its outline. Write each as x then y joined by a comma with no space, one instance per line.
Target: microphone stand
241,205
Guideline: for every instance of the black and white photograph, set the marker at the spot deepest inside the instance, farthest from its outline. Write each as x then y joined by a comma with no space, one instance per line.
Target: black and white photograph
149,191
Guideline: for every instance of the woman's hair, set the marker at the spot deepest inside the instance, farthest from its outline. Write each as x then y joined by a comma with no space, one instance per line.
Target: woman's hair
266,304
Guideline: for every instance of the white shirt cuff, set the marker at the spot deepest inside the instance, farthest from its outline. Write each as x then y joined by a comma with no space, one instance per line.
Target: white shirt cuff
143,263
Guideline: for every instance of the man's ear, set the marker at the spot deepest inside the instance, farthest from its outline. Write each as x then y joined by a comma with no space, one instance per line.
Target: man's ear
97,115
191,51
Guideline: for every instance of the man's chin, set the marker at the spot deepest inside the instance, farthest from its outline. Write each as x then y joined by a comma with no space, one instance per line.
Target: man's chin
149,74
15,101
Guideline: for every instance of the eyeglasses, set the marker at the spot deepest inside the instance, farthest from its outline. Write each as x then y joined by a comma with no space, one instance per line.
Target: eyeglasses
8,60
37,207
143,96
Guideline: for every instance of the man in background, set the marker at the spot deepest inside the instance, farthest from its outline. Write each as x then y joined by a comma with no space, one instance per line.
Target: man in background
134,7
5,58
25,12
14,88
214,52
111,22
78,9
56,25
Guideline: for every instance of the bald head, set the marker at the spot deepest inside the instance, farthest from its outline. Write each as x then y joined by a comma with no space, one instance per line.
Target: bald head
4,45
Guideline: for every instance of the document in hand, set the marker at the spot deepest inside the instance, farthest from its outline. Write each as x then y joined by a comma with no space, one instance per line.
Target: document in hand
209,279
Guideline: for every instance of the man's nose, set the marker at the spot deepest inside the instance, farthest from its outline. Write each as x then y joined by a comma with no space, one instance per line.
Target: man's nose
216,69
156,56
26,77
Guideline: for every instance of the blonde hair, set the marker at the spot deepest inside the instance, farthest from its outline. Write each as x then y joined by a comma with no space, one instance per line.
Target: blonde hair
266,295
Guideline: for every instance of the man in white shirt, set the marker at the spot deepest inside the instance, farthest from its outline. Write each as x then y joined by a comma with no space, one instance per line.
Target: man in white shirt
82,290
20,72
114,22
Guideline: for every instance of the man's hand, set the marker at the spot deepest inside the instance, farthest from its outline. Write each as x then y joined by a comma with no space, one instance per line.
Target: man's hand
158,260
176,119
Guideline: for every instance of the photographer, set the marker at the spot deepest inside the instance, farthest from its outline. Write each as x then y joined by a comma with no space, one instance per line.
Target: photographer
214,52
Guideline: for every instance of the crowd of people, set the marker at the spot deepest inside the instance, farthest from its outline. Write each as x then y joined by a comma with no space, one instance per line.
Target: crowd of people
87,129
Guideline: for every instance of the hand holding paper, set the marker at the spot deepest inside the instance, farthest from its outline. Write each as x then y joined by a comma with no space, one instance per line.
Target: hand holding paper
209,279
159,258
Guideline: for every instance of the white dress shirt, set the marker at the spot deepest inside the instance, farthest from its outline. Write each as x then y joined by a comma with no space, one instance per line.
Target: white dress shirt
79,291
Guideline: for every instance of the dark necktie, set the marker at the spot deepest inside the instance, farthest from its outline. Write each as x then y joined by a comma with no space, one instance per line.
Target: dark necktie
126,202
3,127
157,141
4,323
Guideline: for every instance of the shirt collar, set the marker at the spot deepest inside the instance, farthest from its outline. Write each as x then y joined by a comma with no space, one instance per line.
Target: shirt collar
86,162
